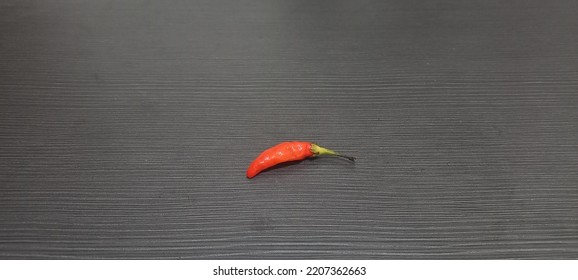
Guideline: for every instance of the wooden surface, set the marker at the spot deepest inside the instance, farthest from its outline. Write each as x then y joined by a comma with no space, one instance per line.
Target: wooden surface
126,128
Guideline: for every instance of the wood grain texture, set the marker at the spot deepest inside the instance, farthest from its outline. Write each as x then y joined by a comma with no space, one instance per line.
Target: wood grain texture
126,128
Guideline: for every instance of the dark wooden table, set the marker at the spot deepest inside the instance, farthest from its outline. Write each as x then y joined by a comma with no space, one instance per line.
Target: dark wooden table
126,128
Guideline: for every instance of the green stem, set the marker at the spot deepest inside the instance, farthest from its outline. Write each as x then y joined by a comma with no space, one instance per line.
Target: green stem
320,151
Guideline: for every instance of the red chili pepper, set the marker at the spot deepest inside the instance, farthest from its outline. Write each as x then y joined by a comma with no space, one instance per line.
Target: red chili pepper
288,151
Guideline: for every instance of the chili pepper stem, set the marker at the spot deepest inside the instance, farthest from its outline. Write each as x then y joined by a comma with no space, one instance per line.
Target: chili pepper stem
320,151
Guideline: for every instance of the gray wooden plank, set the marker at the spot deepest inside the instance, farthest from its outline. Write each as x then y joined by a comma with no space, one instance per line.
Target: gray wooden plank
126,128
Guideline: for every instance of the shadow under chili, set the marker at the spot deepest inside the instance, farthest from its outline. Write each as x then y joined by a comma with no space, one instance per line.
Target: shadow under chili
290,163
